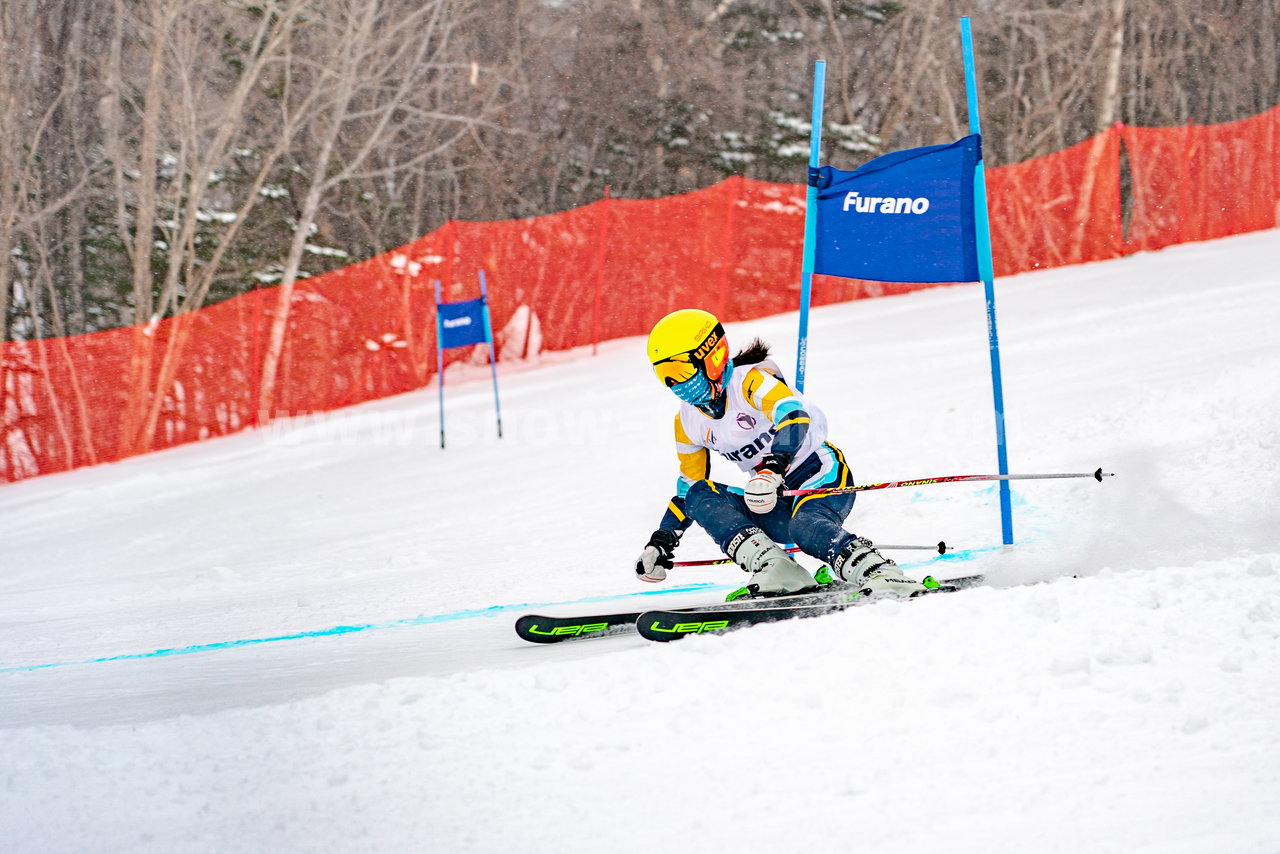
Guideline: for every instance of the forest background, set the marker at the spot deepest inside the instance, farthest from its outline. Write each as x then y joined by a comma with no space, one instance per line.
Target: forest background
161,155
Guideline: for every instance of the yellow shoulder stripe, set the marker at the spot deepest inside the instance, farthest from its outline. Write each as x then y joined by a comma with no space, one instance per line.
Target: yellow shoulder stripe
776,395
758,380
751,384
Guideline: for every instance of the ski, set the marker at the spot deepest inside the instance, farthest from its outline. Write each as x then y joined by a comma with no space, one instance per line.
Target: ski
541,628
670,625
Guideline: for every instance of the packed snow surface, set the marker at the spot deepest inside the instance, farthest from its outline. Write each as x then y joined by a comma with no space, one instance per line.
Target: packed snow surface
300,639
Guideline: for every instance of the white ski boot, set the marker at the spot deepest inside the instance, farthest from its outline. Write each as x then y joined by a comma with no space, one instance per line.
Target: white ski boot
773,572
859,563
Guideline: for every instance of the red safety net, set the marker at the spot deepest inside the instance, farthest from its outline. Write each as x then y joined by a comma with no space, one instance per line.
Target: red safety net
1199,182
606,270
1063,208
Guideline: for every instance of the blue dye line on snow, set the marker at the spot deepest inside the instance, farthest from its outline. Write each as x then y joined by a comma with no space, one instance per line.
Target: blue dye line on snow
963,554
421,620
425,620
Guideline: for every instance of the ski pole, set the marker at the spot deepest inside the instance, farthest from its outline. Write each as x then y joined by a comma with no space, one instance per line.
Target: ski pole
925,481
940,548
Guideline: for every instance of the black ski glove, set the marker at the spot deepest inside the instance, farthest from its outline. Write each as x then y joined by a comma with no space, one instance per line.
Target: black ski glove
658,556
776,463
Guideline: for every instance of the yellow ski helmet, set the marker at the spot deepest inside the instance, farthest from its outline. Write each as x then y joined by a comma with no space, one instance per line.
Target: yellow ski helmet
689,353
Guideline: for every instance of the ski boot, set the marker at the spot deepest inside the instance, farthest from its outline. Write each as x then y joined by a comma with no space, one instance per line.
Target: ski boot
858,563
773,572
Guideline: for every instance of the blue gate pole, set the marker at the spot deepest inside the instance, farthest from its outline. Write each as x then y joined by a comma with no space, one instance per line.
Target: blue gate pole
440,361
493,355
810,221
986,270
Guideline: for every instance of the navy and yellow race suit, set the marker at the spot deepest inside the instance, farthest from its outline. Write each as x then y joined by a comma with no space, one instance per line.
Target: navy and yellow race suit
761,415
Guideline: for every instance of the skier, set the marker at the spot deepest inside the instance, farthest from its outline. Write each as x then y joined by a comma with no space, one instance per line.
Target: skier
744,410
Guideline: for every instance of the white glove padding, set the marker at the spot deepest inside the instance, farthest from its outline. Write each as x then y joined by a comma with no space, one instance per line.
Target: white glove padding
657,557
648,568
761,492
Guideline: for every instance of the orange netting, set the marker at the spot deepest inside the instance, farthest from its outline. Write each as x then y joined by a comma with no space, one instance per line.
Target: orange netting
1063,208
606,270
1199,182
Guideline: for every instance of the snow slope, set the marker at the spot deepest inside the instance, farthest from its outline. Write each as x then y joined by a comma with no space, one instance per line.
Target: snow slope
300,639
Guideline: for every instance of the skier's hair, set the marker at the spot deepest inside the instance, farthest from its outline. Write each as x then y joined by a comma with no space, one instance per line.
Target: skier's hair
753,354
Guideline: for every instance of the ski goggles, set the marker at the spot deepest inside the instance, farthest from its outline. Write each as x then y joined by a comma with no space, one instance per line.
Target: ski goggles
709,358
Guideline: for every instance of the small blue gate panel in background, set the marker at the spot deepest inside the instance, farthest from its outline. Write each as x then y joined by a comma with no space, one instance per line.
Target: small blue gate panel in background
462,323
465,324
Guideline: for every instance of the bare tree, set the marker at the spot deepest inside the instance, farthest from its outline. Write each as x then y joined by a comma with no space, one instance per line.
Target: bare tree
384,61
43,170
16,98
203,63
